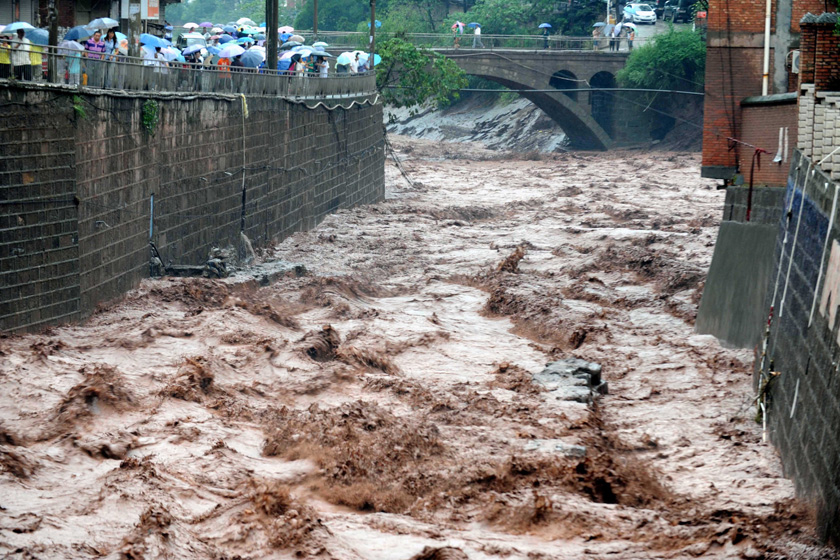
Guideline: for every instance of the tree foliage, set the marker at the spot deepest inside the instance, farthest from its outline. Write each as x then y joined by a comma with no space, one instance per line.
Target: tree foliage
675,60
409,76
333,15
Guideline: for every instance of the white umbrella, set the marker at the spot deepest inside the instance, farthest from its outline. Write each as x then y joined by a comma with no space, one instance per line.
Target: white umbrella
286,29
246,21
170,53
103,23
320,45
231,51
189,25
633,25
70,46
217,30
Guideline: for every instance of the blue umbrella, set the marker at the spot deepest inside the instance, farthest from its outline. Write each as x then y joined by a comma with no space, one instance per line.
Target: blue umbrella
285,36
192,48
244,40
545,26
474,24
38,36
261,37
151,40
169,28
252,59
599,24
378,23
78,33
121,36
229,29
262,24
225,38
18,25
214,50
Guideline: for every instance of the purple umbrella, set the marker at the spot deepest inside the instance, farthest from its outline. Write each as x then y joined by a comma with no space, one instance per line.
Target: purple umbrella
205,24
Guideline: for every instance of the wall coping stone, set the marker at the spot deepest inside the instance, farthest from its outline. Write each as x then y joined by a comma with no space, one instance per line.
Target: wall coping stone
767,100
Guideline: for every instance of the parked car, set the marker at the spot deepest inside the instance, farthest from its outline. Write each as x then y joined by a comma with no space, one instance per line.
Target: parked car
190,39
639,13
658,7
678,10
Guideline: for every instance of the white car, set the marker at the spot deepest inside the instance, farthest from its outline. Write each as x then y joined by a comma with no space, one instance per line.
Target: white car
639,13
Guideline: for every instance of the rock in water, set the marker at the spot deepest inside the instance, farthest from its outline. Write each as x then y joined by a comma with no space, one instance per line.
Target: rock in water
572,379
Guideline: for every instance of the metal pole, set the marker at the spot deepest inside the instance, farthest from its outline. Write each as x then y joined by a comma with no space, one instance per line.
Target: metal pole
52,60
272,19
134,28
315,19
765,79
372,45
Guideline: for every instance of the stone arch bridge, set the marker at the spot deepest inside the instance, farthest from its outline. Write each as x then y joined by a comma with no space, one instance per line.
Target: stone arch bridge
589,118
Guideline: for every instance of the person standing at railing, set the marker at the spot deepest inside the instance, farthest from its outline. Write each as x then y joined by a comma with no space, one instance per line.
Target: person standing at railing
21,64
94,53
545,37
323,67
36,60
630,38
5,59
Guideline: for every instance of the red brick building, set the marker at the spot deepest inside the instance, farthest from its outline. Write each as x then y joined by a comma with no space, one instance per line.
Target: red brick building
734,129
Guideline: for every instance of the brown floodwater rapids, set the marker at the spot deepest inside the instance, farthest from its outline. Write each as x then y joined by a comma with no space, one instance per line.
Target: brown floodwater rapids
383,405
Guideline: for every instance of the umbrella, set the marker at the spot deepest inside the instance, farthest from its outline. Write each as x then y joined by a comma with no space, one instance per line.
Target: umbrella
169,28
459,25
70,46
261,37
17,25
217,31
286,29
229,29
103,23
320,45
545,26
304,51
376,59
191,49
149,40
345,58
262,25
206,24
295,57
231,51
189,25
121,36
170,53
225,38
2,27
297,38
38,36
252,59
287,55
633,25
214,50
289,45
378,23
473,24
244,40
599,24
77,34
285,37
246,21
324,54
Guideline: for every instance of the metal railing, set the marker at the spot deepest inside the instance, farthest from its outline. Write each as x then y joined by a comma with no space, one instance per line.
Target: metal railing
120,72
350,40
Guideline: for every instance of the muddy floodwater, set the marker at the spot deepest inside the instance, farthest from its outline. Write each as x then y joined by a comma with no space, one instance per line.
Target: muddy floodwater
387,402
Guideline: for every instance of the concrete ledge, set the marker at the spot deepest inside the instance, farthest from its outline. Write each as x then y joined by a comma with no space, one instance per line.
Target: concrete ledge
732,308
769,100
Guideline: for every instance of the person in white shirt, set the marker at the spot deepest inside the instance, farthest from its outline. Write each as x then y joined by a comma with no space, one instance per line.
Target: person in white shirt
354,65
477,37
21,65
324,69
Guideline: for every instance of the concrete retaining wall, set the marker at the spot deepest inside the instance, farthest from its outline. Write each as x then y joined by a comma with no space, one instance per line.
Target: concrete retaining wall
804,399
733,307
82,171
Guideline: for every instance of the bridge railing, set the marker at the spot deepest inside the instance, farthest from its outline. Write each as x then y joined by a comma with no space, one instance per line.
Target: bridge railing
75,68
355,40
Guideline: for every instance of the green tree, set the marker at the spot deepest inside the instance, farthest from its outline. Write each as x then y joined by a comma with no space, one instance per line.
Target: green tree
409,76
675,60
334,15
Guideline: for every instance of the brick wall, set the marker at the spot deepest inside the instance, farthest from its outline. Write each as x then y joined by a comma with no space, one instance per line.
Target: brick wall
298,165
731,75
760,125
804,399
39,251
741,15
802,7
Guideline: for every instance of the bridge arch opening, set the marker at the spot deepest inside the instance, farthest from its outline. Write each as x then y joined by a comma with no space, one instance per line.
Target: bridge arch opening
565,81
602,102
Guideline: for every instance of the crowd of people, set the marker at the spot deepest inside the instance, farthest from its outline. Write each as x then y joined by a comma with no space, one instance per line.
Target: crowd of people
613,35
19,58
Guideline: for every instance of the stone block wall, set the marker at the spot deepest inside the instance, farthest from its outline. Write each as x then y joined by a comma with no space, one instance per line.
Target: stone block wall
804,398
208,168
39,250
